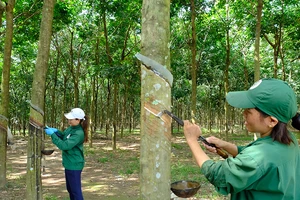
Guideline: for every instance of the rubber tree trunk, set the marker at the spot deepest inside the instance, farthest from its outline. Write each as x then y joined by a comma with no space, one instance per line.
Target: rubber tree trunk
257,41
36,118
226,73
257,47
5,90
155,170
194,51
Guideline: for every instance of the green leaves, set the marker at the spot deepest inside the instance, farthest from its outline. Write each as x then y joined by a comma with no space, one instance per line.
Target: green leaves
79,44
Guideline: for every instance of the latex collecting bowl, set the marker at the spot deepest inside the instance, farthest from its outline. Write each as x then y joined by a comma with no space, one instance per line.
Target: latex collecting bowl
185,189
47,152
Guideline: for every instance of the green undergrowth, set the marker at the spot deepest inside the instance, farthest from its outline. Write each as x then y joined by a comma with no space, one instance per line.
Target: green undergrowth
122,162
53,197
16,182
186,171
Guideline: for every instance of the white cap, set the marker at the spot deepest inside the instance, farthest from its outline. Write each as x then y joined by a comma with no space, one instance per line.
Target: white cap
76,113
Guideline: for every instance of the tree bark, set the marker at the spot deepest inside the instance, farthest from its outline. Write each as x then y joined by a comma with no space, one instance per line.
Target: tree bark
93,97
257,41
193,50
75,70
5,90
36,119
155,170
257,46
226,72
110,61
276,49
115,108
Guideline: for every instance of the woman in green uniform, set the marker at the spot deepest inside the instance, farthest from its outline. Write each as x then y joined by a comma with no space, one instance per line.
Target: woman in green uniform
70,141
268,168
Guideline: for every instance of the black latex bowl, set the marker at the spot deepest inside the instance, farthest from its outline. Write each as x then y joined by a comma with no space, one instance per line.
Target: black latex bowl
47,152
185,189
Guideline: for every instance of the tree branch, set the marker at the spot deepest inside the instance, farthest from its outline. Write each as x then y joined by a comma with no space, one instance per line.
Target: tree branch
268,40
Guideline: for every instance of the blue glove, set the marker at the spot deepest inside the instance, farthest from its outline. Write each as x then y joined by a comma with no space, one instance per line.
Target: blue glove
49,130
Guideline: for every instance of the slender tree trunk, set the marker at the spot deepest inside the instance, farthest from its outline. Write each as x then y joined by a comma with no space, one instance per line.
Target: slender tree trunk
155,170
101,118
93,99
257,41
194,51
53,92
64,104
257,45
108,113
226,72
246,81
282,63
281,46
276,47
276,53
76,80
115,108
92,112
71,68
110,61
36,119
5,90
130,116
124,109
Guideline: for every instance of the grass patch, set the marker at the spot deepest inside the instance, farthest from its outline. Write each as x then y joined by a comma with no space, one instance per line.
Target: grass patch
52,197
125,163
177,146
107,157
132,166
121,162
186,171
103,160
89,151
17,182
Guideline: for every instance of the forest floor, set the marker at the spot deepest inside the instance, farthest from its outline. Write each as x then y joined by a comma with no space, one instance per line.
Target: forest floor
107,175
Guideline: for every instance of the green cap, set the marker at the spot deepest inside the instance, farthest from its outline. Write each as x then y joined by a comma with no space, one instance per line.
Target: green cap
272,96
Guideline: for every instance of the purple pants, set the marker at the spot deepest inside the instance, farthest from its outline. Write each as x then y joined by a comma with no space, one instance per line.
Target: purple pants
73,182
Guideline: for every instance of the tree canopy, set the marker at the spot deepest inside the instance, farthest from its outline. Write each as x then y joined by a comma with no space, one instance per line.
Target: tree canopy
94,43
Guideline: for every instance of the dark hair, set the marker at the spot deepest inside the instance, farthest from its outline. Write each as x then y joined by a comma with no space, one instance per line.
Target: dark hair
296,121
85,125
280,132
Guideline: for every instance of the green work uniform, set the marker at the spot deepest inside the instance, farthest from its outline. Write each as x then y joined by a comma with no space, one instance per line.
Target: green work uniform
71,145
264,169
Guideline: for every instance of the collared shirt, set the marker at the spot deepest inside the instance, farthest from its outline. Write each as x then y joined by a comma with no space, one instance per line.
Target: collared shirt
71,145
264,169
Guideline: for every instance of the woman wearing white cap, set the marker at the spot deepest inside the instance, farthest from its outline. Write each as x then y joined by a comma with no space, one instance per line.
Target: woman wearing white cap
268,168
70,141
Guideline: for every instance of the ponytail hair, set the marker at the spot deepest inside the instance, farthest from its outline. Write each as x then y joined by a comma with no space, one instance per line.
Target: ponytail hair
296,121
85,125
280,132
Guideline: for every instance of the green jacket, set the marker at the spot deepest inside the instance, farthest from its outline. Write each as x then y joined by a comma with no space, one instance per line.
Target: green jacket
264,169
71,145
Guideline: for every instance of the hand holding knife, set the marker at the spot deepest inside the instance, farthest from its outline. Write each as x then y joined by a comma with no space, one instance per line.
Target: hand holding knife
220,151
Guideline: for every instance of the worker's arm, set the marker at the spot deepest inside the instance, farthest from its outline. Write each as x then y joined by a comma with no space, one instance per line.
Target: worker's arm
192,133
